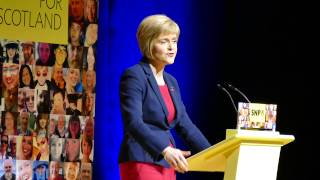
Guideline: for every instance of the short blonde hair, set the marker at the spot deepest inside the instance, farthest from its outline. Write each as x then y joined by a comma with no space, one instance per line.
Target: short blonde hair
152,27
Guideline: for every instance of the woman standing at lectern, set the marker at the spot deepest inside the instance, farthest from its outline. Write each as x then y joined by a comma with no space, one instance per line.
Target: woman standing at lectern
151,105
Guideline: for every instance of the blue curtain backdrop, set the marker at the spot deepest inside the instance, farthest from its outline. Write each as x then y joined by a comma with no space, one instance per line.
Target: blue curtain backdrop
118,49
249,44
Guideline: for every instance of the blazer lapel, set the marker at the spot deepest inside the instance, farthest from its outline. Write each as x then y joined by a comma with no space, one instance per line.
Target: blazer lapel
153,83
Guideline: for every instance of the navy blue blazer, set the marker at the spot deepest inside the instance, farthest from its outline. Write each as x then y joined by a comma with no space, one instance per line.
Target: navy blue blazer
144,115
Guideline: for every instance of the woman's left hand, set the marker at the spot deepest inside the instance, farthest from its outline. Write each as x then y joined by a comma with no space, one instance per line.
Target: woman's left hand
176,158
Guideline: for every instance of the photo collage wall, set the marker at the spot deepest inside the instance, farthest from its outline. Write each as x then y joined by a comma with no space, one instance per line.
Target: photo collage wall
48,102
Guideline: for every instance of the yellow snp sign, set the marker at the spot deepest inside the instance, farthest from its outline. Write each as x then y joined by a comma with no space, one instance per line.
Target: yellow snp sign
34,20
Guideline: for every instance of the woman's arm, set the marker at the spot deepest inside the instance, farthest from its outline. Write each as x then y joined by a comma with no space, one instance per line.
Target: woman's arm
132,89
188,131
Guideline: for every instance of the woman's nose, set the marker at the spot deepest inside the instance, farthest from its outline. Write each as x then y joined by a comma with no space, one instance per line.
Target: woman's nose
170,45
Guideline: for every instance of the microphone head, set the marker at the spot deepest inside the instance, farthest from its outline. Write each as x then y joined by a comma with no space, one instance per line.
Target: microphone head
229,95
221,87
230,86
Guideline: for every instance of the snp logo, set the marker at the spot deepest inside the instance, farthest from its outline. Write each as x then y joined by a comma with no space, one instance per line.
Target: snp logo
257,112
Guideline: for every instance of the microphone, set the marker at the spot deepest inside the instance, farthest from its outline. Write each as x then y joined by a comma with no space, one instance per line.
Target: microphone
232,101
237,90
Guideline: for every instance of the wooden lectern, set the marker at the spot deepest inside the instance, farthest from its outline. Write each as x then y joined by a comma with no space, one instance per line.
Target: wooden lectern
243,155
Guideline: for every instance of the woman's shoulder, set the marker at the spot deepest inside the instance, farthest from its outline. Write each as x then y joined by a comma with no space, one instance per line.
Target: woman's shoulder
134,69
133,76
170,77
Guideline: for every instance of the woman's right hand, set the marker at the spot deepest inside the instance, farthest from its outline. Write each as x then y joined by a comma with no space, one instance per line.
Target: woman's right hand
176,158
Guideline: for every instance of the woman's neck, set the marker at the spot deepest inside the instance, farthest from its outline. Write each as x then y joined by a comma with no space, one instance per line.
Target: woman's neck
57,110
70,88
9,131
76,42
90,67
157,71
42,85
72,106
58,65
24,129
59,83
42,131
85,158
61,131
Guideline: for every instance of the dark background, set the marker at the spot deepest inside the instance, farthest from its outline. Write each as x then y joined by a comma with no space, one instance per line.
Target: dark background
253,45
257,46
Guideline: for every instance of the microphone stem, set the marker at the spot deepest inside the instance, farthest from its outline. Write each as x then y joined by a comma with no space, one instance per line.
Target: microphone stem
242,95
233,104
229,95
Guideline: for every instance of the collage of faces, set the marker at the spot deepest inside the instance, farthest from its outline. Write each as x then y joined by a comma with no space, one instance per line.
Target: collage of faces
48,102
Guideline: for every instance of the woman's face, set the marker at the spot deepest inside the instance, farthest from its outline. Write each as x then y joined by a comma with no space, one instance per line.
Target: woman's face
271,115
21,95
56,147
91,10
13,145
89,128
9,121
44,52
72,149
26,146
75,56
11,52
72,172
61,54
10,75
25,170
52,126
89,102
42,143
75,32
73,76
61,122
24,119
76,9
26,77
54,169
27,51
43,123
4,143
42,74
58,74
90,79
30,99
74,128
91,34
244,112
58,101
90,58
86,148
165,49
